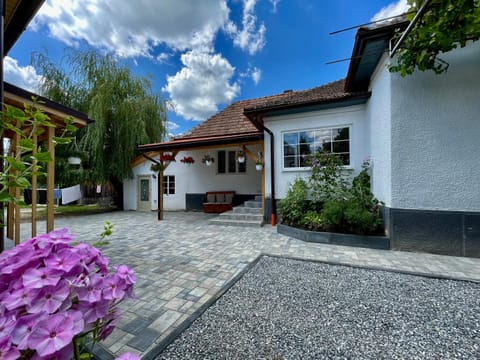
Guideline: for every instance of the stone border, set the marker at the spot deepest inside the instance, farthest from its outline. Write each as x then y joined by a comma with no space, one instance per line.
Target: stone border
371,242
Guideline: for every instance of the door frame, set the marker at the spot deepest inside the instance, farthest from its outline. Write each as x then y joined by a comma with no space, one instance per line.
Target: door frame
139,186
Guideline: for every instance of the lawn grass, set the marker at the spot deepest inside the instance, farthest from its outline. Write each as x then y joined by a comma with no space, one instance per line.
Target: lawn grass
66,210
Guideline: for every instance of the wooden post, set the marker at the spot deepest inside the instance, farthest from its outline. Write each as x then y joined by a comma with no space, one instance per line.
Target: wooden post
50,180
34,188
160,194
17,189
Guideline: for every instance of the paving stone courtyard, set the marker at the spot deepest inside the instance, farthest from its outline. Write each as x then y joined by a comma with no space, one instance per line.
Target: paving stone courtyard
182,263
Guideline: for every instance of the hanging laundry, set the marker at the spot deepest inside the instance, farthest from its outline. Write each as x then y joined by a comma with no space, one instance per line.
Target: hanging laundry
71,194
57,194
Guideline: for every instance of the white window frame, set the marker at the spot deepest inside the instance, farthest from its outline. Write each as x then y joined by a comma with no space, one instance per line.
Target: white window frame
307,168
166,185
227,164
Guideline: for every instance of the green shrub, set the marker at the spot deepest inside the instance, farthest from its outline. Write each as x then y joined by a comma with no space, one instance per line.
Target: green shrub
358,212
326,179
333,215
360,220
294,206
312,220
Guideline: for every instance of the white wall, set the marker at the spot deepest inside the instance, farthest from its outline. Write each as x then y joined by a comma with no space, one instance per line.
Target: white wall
379,128
353,116
195,178
436,136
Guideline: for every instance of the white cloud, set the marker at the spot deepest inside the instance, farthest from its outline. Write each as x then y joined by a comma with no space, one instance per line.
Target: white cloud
132,28
274,5
172,126
160,30
251,37
25,77
163,57
396,8
256,75
201,85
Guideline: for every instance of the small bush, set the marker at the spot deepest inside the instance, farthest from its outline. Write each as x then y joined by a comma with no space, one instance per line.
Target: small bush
294,206
312,220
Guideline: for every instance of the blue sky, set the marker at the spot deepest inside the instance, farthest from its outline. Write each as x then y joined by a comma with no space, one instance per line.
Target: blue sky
202,55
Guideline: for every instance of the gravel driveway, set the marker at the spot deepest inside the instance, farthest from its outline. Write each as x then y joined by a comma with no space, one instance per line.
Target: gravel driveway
289,309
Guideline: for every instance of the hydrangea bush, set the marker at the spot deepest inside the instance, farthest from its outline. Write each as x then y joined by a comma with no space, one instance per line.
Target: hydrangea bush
57,297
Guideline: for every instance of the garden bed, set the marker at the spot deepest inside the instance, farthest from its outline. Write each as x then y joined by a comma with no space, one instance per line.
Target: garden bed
372,242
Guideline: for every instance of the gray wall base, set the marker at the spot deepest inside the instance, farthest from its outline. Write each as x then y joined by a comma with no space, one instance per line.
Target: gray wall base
439,232
372,242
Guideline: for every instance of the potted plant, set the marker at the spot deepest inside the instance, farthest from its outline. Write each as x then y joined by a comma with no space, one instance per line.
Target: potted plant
166,158
240,156
156,167
208,160
188,160
259,164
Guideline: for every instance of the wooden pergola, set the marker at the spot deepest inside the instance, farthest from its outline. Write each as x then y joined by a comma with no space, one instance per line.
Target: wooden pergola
17,97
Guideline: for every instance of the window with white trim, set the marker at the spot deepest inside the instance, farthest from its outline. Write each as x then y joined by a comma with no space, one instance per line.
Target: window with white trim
169,184
227,163
298,145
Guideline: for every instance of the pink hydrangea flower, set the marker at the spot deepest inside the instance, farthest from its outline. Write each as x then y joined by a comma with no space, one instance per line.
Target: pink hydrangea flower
7,350
38,278
23,329
50,298
52,334
128,356
51,291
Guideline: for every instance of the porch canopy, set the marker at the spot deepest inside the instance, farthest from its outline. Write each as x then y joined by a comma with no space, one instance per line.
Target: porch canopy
17,97
228,127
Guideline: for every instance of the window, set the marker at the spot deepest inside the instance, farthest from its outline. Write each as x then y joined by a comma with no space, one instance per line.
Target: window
169,185
297,146
227,162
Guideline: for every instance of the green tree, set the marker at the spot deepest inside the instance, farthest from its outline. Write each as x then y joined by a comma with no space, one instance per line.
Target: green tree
125,110
445,25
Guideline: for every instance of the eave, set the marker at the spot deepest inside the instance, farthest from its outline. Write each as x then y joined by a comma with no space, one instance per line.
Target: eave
18,15
285,109
203,142
370,45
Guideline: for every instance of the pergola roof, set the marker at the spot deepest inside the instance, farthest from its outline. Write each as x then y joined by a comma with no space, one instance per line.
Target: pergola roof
17,97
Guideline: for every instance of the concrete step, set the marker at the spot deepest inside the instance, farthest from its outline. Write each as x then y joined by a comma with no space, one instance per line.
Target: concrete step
241,223
253,204
258,198
247,210
229,215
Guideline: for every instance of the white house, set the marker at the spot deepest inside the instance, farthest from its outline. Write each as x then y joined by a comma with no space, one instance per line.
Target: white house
421,132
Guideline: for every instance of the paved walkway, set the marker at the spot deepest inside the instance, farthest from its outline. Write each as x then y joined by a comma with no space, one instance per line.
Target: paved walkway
182,263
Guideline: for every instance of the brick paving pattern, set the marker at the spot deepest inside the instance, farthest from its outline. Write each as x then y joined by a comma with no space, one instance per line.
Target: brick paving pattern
182,263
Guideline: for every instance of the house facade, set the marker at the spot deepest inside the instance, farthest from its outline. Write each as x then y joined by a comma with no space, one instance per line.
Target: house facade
420,133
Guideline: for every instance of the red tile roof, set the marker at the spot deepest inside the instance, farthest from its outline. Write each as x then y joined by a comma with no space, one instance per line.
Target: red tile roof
231,124
231,120
330,92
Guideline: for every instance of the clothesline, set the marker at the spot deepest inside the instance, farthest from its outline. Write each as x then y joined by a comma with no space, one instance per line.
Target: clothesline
68,195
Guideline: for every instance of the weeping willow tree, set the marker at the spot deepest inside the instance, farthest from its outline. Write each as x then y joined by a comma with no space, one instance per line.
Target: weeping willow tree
125,110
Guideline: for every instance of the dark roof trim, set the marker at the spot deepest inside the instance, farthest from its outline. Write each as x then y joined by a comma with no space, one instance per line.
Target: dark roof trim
364,36
27,95
193,143
19,21
354,99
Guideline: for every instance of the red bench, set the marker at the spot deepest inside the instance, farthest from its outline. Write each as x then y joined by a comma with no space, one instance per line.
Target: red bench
218,201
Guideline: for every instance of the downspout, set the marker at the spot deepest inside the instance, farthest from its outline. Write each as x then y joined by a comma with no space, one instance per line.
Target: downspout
273,204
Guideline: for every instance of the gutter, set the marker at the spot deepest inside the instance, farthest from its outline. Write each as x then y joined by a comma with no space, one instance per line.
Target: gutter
259,125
